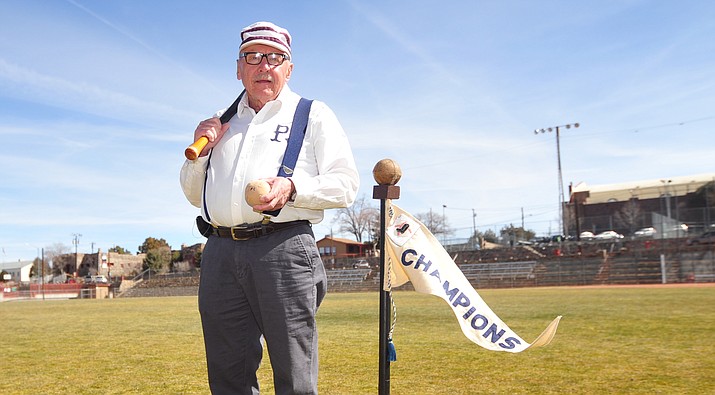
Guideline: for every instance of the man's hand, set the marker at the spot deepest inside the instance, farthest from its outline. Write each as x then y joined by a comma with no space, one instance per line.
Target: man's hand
213,130
281,190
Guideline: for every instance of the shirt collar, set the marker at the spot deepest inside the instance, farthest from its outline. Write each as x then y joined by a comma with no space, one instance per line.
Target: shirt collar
271,107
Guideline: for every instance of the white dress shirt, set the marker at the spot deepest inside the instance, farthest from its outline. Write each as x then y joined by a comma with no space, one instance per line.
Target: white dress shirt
253,147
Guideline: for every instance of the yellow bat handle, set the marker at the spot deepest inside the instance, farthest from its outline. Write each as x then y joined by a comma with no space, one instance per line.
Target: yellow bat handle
193,151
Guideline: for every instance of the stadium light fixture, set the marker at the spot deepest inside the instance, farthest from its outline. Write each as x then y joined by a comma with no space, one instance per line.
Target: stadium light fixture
558,160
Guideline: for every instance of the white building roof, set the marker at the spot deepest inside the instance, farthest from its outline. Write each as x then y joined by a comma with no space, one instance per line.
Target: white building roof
14,265
647,189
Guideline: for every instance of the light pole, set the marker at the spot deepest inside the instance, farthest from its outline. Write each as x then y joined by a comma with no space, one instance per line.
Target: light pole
42,269
474,226
664,224
558,160
666,195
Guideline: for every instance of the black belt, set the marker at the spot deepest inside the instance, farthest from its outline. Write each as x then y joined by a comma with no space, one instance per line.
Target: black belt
251,231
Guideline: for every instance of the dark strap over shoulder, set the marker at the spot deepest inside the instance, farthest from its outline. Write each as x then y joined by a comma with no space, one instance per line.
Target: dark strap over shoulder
295,142
231,110
225,117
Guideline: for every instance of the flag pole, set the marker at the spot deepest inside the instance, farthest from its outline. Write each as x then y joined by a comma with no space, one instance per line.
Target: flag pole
386,173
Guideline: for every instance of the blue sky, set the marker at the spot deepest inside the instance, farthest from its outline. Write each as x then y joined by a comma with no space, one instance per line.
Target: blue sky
98,100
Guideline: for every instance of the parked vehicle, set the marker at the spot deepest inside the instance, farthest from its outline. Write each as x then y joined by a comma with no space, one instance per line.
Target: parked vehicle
645,232
557,238
608,235
361,264
705,238
586,235
96,280
678,230
542,240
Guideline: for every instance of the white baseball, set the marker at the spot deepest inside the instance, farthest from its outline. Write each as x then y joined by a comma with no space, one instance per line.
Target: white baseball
254,190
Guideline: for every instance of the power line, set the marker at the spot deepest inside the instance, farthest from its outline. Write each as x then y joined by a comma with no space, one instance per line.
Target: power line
580,135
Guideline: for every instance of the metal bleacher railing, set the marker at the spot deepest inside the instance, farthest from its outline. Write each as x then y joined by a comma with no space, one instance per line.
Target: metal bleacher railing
348,278
506,273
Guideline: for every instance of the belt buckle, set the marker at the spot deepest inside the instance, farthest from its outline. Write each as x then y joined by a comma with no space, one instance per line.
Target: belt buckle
233,233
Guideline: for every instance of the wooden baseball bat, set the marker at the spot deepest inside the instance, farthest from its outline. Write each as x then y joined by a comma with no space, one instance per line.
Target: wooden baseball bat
192,152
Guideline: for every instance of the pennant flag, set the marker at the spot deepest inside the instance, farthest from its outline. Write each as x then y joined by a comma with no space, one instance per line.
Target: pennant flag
418,257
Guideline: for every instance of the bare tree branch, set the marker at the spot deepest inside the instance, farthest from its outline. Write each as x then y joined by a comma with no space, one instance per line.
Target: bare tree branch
436,223
357,219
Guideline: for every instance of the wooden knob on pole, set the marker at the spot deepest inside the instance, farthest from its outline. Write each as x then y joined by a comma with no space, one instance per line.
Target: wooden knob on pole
386,173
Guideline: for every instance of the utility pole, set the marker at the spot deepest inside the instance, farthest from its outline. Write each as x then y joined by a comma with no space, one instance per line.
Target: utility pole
75,241
444,225
42,278
474,222
707,203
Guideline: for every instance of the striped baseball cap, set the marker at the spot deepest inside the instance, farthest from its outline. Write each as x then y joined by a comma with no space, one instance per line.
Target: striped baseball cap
265,33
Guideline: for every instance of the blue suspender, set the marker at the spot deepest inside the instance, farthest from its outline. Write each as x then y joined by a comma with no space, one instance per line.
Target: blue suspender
295,142
290,157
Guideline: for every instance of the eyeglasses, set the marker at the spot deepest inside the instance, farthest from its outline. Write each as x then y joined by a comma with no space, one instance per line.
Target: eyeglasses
255,58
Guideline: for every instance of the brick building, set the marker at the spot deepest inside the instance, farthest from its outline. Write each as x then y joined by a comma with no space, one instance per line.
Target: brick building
342,248
675,206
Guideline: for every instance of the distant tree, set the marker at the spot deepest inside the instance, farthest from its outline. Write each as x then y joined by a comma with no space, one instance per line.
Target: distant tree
569,219
358,219
629,215
36,269
197,259
56,256
436,223
158,259
705,195
476,238
514,234
490,236
119,250
151,244
176,259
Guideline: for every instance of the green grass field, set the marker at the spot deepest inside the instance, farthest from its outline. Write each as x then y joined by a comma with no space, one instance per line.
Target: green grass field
611,340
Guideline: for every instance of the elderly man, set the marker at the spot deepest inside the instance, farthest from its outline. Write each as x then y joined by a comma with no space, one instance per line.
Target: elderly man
261,274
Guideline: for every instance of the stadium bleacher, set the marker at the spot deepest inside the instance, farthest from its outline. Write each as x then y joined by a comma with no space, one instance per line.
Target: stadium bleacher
349,279
629,262
500,274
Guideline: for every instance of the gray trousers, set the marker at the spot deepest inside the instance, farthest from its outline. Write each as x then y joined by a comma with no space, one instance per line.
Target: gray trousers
270,286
